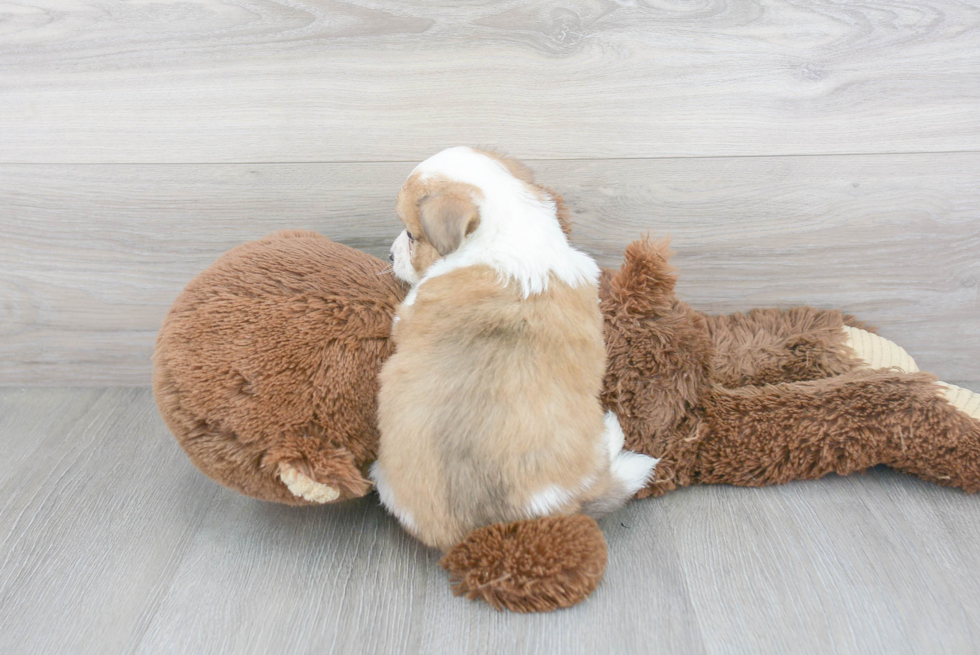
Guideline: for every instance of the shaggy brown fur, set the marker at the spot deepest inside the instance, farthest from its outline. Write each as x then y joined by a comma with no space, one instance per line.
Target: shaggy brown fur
530,566
799,431
659,366
272,355
273,315
769,346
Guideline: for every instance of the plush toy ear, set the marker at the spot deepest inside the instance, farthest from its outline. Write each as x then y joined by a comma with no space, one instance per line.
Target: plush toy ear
447,218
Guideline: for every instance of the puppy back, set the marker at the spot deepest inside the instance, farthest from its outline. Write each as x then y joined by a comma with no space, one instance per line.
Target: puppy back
489,397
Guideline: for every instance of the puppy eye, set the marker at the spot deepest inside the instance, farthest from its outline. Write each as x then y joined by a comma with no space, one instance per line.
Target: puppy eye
411,239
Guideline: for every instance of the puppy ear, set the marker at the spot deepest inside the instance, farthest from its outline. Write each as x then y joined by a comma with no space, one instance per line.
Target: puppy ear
447,218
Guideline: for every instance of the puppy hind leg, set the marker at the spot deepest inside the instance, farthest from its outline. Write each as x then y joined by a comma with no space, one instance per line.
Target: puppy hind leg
629,471
613,435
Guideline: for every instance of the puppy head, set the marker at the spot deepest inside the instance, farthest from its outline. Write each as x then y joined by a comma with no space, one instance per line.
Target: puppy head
438,214
440,210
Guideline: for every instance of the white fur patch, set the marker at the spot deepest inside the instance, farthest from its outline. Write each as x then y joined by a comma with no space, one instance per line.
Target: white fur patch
553,498
613,435
407,302
388,498
401,265
410,297
548,500
519,235
633,470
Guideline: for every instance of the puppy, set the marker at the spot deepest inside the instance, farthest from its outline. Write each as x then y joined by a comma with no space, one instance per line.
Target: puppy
489,408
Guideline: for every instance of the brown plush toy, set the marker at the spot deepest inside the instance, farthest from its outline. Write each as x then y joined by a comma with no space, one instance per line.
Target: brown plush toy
266,372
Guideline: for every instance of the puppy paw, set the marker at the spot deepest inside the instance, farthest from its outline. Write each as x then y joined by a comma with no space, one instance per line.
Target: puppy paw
876,352
303,487
633,470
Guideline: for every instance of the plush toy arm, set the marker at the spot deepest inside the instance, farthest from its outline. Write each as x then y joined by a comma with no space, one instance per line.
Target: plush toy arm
764,435
291,469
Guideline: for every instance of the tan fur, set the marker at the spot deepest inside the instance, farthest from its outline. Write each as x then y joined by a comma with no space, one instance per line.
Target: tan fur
490,398
438,213
447,218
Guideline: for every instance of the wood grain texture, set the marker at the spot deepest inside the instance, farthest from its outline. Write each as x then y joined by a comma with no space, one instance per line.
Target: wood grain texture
110,541
93,524
92,256
193,81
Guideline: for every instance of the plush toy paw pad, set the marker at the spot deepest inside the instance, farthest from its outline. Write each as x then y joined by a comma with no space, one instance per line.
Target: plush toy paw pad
962,399
877,352
536,565
304,487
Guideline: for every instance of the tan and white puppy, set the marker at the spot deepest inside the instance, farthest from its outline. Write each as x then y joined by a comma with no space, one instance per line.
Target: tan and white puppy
489,408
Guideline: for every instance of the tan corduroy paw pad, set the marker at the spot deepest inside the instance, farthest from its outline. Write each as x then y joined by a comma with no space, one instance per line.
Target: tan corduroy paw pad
305,488
962,399
878,352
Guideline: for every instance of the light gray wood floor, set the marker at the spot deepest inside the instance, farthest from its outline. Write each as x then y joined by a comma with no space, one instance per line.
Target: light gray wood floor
110,541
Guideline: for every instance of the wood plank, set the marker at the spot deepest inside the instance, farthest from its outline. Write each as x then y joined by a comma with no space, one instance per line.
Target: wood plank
94,523
262,579
867,563
92,256
194,81
110,541
268,578
33,425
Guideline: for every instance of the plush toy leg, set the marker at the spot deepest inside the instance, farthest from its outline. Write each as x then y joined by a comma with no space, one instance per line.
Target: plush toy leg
876,352
764,435
536,565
